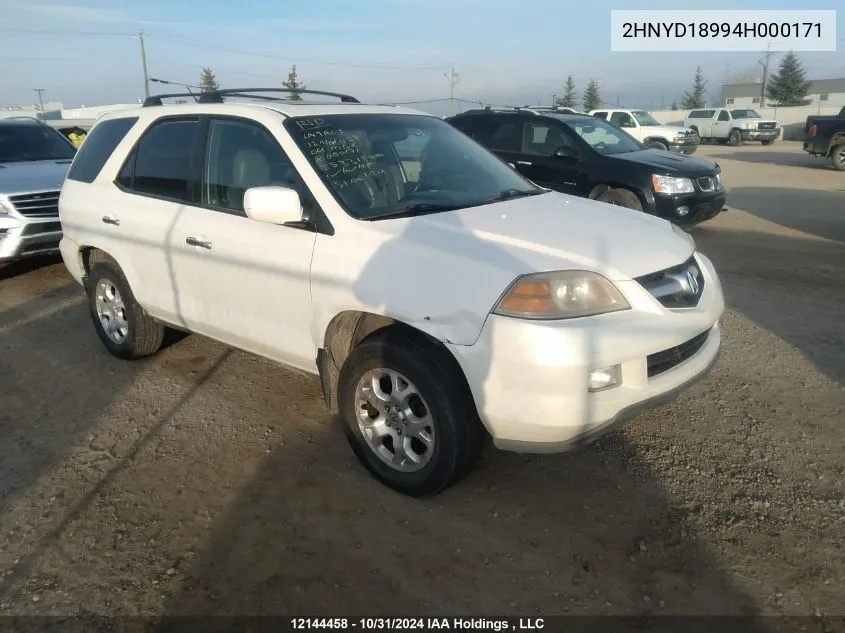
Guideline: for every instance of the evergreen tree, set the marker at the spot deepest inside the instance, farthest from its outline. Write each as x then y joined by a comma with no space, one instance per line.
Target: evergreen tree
294,85
592,98
208,82
695,98
569,95
789,87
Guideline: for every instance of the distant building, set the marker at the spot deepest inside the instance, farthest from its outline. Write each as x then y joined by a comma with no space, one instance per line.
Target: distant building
823,92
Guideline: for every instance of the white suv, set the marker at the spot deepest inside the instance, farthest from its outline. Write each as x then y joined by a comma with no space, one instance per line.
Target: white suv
438,294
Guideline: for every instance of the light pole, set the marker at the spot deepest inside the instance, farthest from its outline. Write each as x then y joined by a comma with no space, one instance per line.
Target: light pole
40,99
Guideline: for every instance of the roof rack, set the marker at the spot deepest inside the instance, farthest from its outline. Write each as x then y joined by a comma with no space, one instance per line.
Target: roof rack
538,110
216,96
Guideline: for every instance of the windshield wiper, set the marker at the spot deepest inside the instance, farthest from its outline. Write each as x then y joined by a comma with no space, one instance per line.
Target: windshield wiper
418,208
507,194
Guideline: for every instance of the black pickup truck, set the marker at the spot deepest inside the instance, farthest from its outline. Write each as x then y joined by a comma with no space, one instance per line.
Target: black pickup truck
825,136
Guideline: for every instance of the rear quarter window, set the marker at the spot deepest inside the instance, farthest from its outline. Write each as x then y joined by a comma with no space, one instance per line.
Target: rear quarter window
97,148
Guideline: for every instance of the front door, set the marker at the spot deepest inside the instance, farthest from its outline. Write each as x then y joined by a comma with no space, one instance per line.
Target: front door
540,140
722,124
244,282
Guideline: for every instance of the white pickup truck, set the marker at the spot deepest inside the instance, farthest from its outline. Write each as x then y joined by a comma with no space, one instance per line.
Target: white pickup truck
648,131
732,126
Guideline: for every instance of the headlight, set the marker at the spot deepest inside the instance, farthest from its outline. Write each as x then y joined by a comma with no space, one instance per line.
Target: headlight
670,184
560,295
750,126
719,184
681,233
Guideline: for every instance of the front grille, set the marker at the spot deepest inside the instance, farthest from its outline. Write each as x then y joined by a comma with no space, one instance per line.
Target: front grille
766,126
677,287
37,205
42,227
706,183
667,359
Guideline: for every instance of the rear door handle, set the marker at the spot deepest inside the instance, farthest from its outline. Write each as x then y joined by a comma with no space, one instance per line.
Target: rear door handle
110,219
524,162
192,241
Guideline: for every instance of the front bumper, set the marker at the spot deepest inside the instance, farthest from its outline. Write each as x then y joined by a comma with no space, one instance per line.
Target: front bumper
760,135
684,147
529,379
700,207
29,237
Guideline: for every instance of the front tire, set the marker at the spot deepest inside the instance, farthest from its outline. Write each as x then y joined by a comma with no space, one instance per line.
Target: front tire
837,157
408,414
735,138
768,141
658,145
621,198
123,326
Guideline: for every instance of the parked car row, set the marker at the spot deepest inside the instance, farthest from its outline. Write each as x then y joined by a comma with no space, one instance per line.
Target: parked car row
441,296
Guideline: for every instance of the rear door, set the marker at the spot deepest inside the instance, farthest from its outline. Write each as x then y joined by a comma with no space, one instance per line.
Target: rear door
157,179
502,133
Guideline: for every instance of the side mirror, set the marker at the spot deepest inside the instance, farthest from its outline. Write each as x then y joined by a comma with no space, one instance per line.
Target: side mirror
273,205
564,151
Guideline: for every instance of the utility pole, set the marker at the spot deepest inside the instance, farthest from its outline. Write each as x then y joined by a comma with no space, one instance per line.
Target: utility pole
144,66
40,100
765,63
453,78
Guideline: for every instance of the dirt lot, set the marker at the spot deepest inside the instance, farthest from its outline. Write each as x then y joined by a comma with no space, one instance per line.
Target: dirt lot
209,481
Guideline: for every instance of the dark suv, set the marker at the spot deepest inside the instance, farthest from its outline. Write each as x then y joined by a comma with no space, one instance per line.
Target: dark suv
585,156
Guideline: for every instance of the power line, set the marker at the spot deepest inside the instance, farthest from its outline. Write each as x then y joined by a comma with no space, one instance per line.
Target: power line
215,47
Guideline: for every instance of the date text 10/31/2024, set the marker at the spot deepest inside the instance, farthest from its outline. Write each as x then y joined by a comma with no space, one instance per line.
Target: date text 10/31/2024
418,624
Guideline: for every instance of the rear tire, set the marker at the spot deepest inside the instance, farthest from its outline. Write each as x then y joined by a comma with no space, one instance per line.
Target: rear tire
735,138
621,198
408,414
837,157
121,323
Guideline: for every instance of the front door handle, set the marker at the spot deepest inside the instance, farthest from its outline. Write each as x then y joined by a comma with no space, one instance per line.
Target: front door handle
527,163
192,241
110,219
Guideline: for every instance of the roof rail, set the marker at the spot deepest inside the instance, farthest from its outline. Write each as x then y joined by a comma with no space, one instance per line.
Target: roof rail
24,118
216,96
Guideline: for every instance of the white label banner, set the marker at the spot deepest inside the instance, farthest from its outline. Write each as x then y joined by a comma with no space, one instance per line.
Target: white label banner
715,31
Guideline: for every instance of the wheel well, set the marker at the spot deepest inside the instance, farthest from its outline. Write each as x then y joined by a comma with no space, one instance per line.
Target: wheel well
347,330
836,141
657,139
90,255
604,187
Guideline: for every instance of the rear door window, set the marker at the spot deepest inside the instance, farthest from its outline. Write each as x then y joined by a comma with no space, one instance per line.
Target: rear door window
164,162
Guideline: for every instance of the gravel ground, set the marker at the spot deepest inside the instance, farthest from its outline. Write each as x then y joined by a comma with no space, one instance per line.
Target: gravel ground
208,481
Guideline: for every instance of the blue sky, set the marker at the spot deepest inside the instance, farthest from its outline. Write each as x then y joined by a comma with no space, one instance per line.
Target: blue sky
84,51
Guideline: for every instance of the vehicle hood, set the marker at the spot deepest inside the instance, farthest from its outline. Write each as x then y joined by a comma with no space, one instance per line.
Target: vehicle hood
669,163
670,131
25,177
555,231
744,121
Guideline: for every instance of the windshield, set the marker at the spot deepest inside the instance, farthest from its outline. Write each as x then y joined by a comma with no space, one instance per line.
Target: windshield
20,143
386,165
745,114
644,117
603,137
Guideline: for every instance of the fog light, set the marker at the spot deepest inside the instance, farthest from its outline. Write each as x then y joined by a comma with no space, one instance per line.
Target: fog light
603,378
682,211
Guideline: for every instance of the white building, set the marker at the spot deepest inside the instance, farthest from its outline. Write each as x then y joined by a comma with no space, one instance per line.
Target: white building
823,92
